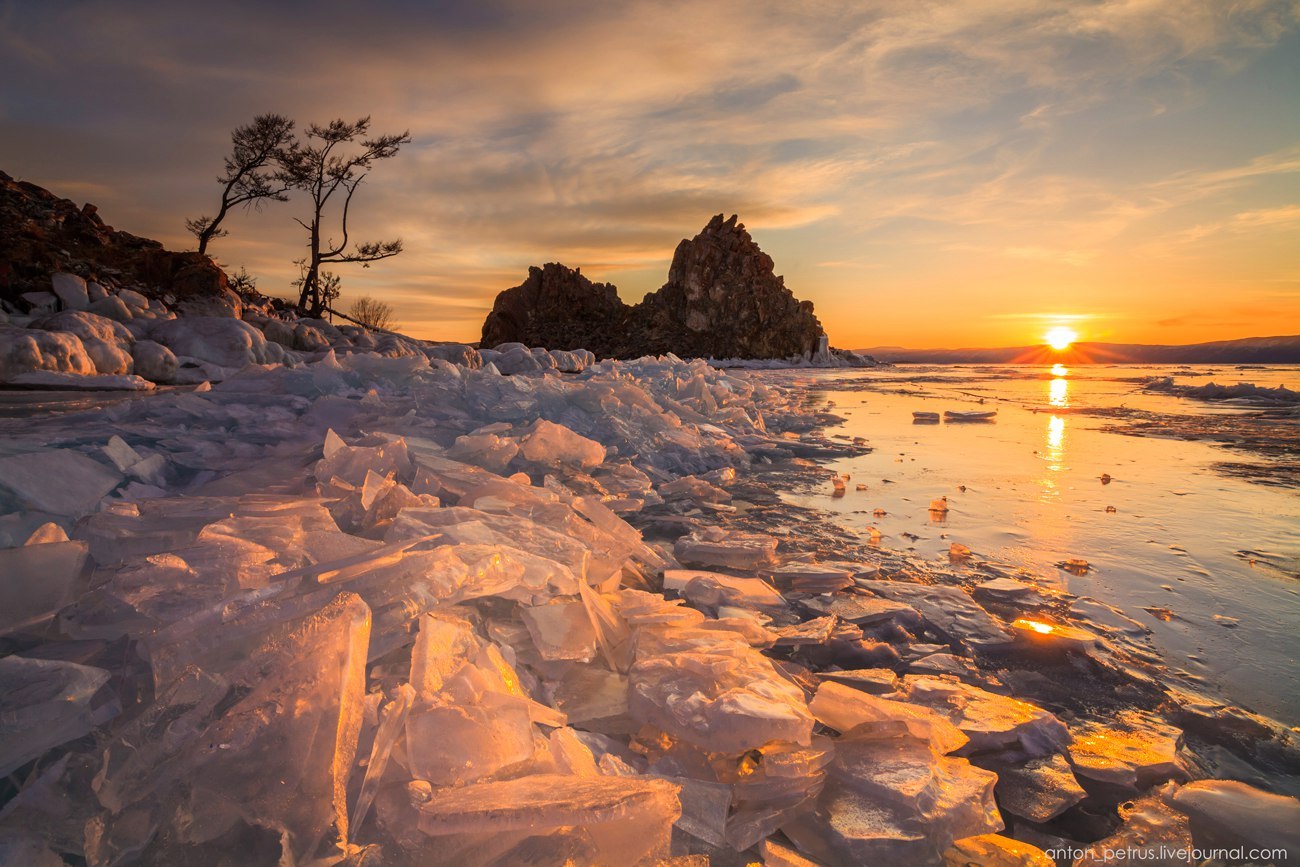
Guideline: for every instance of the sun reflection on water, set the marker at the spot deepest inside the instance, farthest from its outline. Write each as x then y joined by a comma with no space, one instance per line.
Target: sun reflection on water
1058,393
1054,455
1055,438
1059,369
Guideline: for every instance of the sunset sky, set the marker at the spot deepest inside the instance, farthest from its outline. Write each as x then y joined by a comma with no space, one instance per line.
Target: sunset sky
928,174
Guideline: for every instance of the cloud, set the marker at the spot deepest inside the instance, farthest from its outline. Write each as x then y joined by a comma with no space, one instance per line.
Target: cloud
599,134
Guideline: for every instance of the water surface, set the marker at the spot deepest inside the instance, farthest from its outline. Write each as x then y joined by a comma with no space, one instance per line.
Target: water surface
1209,560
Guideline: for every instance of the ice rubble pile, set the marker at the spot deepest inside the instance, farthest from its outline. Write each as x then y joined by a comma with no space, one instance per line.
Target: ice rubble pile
89,335
391,607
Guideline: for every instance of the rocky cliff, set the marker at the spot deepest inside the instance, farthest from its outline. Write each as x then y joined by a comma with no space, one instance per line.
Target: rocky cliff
722,299
557,306
42,235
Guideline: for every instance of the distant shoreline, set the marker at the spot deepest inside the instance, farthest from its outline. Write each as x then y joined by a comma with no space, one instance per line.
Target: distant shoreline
1250,350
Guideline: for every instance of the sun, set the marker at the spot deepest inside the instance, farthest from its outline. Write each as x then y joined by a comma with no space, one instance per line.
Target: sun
1060,337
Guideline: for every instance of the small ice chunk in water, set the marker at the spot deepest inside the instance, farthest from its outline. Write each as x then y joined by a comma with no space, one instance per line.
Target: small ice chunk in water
1151,833
598,820
1229,814
734,550
1100,614
1134,750
991,721
895,800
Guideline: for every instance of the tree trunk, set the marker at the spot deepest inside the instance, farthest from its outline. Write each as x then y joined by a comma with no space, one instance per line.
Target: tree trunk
310,299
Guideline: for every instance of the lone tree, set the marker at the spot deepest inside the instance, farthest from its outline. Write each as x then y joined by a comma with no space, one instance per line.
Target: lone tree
373,314
330,165
253,173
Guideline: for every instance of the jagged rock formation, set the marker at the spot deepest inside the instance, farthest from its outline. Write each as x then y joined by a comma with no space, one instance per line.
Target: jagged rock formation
42,235
556,306
722,299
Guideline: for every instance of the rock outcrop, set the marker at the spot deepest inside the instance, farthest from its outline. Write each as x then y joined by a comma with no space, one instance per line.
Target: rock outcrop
42,235
556,307
84,306
722,300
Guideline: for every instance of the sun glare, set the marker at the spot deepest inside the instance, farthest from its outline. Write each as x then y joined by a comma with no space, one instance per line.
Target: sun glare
1060,337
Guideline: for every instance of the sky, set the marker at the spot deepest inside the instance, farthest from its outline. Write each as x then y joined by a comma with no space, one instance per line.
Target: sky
928,174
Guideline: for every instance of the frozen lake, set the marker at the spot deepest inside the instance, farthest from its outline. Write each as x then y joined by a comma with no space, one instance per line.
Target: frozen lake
1207,558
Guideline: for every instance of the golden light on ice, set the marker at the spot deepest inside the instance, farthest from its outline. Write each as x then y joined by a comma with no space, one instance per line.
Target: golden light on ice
1035,625
1060,337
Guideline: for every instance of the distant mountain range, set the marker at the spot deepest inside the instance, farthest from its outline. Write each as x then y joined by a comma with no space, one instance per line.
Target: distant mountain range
1249,350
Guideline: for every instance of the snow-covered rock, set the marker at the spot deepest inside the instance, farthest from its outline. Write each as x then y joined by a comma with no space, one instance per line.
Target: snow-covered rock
71,290
456,353
28,349
309,338
133,299
41,302
218,340
278,331
87,325
111,307
153,361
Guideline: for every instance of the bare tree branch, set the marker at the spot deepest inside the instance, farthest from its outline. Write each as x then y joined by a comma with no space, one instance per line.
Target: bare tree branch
248,180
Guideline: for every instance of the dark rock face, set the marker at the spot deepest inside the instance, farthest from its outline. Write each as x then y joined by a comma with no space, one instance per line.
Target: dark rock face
555,307
42,234
722,299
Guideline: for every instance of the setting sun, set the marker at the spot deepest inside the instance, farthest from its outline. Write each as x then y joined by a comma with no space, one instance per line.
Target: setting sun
1060,337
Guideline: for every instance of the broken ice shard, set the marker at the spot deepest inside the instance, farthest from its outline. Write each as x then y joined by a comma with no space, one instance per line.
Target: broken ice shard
721,696
597,820
733,550
991,721
281,755
37,580
846,709
949,610
895,800
58,481
1135,750
44,703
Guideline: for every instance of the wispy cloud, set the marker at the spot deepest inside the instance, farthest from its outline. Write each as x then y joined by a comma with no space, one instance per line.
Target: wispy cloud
887,136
